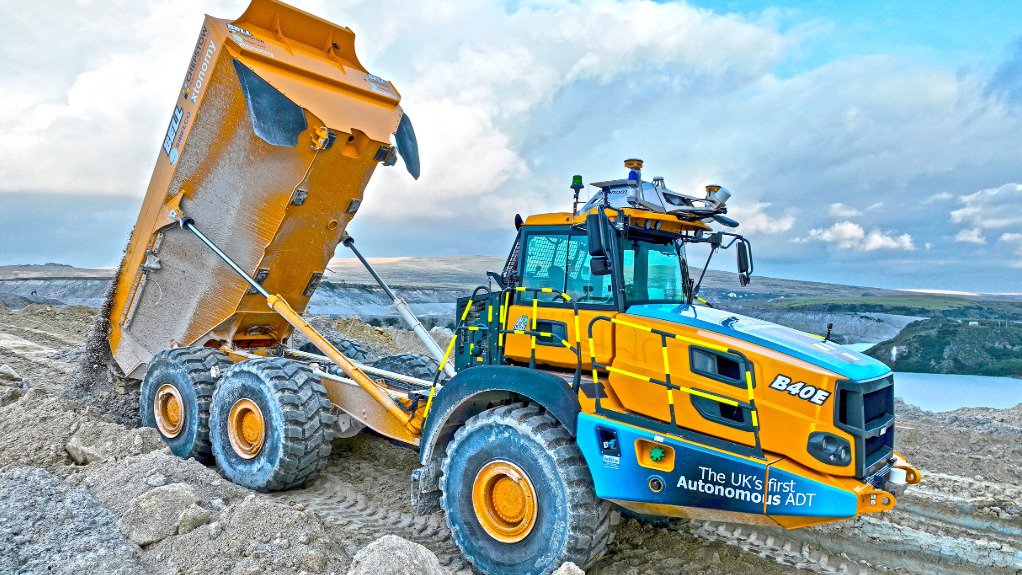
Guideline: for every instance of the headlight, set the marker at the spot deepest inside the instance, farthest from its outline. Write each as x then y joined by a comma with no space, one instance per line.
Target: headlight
829,448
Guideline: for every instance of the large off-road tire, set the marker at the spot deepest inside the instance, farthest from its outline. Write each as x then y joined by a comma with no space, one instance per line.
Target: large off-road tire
518,495
413,364
351,349
270,424
175,397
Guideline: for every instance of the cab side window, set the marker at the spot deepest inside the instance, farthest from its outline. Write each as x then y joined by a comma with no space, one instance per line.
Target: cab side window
544,264
561,262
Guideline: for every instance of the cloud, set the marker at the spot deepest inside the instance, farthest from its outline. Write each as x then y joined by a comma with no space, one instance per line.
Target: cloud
971,236
989,209
754,219
1016,239
510,99
1006,83
839,210
939,197
848,235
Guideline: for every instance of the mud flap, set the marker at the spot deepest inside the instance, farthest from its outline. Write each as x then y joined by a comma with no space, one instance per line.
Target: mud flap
425,484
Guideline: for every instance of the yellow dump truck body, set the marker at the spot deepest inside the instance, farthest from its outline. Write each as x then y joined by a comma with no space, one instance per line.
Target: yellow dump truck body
273,138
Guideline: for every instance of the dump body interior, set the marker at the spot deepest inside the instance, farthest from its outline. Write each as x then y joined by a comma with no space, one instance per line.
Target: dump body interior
273,138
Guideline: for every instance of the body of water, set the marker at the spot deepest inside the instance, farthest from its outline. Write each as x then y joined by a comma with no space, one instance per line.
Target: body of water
940,392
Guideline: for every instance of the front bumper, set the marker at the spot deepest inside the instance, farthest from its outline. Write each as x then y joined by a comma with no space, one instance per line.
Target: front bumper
701,481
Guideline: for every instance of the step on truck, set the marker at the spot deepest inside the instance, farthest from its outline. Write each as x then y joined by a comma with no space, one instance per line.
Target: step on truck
584,379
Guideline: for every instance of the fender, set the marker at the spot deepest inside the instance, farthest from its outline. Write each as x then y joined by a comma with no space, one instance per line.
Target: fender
471,391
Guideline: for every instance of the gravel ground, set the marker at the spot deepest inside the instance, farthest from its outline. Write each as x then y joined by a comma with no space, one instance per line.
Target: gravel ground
47,526
75,477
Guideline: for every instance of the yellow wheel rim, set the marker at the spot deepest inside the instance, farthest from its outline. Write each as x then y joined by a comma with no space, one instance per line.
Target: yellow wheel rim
504,501
169,410
245,428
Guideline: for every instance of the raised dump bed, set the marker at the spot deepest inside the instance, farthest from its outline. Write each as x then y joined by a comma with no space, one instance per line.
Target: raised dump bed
272,140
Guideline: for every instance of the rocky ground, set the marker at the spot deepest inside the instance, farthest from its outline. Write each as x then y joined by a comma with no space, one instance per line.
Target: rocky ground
82,488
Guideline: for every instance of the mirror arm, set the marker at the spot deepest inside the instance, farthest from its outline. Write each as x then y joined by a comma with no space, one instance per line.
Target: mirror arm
695,290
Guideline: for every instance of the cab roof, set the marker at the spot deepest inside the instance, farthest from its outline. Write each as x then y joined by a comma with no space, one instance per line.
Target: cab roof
668,222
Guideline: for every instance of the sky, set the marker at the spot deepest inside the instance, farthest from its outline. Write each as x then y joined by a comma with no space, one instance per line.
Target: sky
868,143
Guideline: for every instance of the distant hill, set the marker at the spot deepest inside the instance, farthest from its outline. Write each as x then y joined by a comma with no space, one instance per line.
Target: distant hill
951,346
466,272
911,304
51,270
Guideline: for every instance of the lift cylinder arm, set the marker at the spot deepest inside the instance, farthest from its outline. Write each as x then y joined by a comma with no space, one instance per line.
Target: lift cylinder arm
279,305
410,319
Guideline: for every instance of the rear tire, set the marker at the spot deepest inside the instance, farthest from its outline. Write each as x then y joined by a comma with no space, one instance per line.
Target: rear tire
288,441
413,364
176,394
351,349
569,522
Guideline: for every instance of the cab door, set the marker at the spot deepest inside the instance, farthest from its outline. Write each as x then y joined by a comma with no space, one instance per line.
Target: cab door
553,257
715,384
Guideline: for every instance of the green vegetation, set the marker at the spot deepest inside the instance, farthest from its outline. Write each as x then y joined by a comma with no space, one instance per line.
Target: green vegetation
952,346
924,305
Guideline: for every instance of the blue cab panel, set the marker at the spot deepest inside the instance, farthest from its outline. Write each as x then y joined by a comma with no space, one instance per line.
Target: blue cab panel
701,477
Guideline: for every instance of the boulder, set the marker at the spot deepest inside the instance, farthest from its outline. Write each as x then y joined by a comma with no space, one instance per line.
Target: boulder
7,374
96,441
396,556
9,395
81,452
191,518
569,568
157,513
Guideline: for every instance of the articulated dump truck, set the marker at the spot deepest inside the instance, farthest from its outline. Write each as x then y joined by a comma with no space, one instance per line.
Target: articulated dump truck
584,379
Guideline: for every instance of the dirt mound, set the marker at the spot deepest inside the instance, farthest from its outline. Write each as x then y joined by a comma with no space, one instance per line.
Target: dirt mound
116,483
41,430
48,526
96,379
984,439
252,536
191,520
380,341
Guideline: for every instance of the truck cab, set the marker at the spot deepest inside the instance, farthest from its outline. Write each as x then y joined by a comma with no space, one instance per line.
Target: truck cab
607,293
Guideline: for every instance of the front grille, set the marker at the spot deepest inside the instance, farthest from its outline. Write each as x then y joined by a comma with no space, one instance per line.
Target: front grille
865,409
878,404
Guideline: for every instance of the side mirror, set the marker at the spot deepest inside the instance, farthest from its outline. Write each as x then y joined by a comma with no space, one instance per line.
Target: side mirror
600,266
744,263
600,234
596,235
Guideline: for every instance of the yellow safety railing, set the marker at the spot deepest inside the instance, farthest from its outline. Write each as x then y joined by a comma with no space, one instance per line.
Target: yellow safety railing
504,300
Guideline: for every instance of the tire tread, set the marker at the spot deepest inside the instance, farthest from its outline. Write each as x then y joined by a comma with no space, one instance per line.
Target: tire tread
593,526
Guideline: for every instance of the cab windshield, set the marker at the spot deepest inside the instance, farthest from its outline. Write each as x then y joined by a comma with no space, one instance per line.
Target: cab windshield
653,273
650,272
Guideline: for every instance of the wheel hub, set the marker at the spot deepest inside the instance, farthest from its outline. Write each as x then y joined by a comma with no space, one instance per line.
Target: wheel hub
504,500
246,428
169,410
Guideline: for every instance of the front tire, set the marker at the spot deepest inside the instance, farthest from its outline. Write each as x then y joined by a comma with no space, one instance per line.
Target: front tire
270,424
175,397
518,496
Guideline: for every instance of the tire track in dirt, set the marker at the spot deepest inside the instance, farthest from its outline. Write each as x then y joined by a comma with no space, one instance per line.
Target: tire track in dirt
53,339
343,507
